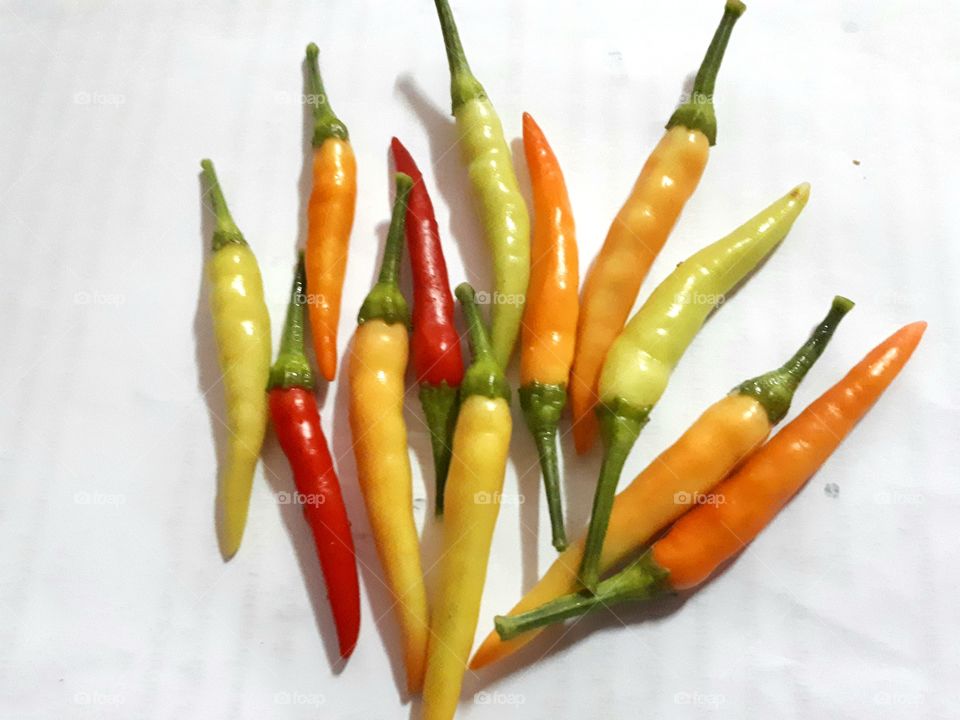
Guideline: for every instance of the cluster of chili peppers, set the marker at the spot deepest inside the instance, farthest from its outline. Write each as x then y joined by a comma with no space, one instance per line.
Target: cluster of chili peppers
571,344
285,391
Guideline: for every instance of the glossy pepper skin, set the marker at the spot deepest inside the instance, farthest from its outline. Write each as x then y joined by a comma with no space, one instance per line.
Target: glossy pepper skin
667,180
296,421
711,534
378,361
550,319
242,329
480,446
640,361
727,433
435,343
502,209
330,210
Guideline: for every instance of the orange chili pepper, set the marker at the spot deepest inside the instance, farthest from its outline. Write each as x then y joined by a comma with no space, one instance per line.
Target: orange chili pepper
640,229
730,431
329,218
550,317
711,534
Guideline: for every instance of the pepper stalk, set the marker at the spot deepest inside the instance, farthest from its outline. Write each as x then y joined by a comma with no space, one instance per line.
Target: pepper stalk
292,369
642,579
326,124
385,301
697,113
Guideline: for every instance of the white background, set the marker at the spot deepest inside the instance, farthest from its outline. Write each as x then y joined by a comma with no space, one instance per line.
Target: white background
115,602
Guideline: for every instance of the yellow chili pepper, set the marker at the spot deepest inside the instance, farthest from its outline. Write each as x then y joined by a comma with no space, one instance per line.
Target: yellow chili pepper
378,361
725,435
242,328
640,229
474,483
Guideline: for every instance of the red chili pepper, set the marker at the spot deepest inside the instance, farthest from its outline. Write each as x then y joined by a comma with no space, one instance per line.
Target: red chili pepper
435,345
296,421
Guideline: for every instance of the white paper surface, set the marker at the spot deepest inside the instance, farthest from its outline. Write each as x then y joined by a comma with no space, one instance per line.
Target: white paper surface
115,602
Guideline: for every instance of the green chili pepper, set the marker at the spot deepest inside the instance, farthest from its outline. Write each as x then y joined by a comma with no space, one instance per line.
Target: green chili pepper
503,212
638,365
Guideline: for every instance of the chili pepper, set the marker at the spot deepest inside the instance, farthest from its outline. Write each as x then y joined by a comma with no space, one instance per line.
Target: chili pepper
241,325
727,433
378,361
480,445
435,345
329,218
550,318
711,534
638,366
296,421
499,202
640,229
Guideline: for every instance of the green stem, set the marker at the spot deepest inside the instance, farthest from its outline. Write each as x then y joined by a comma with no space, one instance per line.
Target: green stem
292,369
542,406
385,301
774,390
463,85
326,124
697,112
226,231
484,376
620,426
440,408
640,580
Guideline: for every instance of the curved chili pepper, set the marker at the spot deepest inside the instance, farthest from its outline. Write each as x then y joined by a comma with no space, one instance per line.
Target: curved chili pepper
711,534
727,433
435,345
329,218
378,361
640,229
241,325
296,421
550,319
502,209
638,366
480,446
